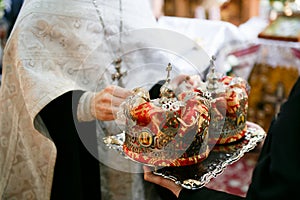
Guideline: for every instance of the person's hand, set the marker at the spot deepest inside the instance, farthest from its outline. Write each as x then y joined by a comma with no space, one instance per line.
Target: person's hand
192,81
169,184
176,81
184,82
106,103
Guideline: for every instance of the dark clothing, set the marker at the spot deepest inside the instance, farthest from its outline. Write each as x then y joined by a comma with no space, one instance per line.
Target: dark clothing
276,175
77,171
8,20
11,15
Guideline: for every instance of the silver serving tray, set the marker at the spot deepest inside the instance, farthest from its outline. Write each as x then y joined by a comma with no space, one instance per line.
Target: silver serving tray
197,175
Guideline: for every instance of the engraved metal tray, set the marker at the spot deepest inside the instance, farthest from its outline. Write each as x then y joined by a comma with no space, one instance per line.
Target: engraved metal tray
198,175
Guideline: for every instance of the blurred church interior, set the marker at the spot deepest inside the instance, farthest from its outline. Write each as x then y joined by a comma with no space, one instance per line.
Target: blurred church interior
257,40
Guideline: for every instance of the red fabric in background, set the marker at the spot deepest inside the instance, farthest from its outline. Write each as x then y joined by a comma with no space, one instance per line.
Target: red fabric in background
236,177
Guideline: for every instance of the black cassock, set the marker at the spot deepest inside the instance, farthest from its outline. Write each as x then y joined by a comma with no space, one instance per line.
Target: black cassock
77,171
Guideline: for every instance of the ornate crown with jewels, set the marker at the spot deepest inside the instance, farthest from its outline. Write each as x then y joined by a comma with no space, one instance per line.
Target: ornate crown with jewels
230,98
168,131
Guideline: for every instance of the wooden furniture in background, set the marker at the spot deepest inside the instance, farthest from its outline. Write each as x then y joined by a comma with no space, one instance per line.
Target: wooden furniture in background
234,11
239,11
181,8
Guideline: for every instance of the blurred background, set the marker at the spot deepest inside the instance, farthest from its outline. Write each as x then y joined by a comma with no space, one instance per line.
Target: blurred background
233,11
257,40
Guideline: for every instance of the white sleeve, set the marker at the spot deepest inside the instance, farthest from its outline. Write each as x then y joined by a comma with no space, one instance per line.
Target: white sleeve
84,113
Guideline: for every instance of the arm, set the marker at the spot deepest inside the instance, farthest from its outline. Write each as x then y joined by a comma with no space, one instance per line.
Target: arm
77,167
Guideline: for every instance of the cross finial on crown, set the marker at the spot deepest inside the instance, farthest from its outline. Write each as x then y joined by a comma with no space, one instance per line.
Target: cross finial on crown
169,69
166,90
211,76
